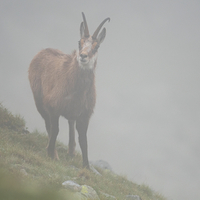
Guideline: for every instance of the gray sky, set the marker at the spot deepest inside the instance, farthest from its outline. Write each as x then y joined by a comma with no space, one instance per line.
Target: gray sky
146,120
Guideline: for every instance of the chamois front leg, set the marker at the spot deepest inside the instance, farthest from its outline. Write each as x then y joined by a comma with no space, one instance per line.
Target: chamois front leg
72,143
54,129
82,126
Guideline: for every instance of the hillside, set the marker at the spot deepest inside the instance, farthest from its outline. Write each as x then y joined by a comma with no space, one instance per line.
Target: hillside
27,173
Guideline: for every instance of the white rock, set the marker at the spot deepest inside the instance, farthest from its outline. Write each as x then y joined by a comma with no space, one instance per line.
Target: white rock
133,197
23,172
72,186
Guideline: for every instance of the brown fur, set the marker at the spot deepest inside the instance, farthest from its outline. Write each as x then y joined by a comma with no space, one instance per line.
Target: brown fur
61,87
61,84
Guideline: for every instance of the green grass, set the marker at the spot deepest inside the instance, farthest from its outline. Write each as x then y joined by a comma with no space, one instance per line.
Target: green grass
21,152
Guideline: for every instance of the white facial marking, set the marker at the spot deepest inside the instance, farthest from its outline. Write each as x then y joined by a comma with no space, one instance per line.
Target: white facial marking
87,45
87,63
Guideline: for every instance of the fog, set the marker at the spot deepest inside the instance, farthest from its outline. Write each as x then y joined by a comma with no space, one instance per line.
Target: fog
147,116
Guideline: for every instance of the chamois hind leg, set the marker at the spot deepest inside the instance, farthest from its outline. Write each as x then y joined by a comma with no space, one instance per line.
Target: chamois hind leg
72,143
46,118
54,129
82,126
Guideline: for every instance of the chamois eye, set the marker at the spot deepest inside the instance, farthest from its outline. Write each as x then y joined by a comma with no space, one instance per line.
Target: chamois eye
95,48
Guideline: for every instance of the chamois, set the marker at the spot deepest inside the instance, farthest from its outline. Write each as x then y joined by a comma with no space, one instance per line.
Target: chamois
64,85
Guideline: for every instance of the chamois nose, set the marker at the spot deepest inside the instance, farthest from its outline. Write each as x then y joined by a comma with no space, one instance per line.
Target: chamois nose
82,55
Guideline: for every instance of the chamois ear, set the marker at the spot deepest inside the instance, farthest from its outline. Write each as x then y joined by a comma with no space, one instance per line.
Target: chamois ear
101,36
82,28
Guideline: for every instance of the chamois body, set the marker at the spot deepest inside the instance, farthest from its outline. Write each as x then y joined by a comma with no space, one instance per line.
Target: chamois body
64,85
60,85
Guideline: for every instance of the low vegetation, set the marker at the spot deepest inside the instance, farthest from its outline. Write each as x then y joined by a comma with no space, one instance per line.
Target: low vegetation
26,172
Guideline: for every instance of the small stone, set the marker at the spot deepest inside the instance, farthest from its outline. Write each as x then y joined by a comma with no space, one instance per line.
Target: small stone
72,186
102,164
23,172
133,197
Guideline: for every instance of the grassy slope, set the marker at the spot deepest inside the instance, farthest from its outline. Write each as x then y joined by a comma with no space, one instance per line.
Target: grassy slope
20,151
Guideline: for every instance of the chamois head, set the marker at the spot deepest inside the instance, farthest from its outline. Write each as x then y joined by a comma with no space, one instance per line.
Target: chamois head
88,45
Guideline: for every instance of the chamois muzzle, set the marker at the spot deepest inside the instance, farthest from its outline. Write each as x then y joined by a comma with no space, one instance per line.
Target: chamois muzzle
83,56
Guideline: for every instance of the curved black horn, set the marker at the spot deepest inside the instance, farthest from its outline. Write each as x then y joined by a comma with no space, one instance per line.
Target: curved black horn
86,31
99,28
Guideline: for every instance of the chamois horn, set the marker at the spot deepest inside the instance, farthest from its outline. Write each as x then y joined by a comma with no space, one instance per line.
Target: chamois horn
99,28
86,31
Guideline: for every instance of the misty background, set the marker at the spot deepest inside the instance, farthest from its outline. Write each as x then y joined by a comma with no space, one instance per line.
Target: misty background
147,116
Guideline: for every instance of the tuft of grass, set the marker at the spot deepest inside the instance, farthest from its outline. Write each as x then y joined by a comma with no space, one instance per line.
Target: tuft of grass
26,172
9,121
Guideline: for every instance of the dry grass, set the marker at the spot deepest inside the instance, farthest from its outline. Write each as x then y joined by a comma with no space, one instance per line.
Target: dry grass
26,152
